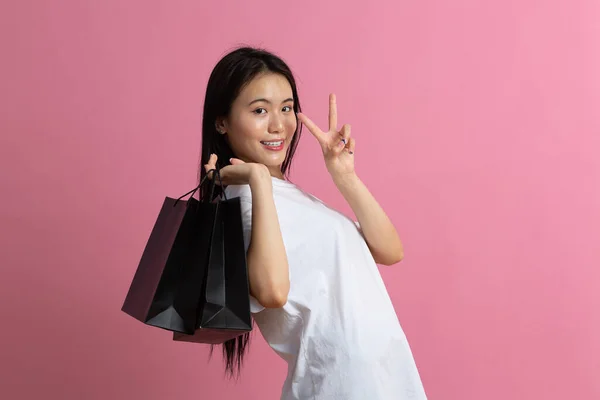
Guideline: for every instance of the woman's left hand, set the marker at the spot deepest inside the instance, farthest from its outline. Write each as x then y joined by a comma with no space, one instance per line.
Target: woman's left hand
337,146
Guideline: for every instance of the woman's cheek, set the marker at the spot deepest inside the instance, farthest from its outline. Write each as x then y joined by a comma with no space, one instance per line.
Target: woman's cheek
292,125
250,128
259,125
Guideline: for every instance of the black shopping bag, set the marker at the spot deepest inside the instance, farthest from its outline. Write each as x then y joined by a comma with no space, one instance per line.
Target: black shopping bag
224,307
168,289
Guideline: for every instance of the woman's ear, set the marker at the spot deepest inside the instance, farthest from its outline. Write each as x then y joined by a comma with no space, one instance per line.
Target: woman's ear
221,125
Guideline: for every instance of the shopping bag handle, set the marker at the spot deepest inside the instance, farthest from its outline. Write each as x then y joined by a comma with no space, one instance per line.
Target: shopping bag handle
212,186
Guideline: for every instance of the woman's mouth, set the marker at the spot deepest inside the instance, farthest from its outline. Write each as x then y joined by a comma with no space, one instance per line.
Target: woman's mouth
274,145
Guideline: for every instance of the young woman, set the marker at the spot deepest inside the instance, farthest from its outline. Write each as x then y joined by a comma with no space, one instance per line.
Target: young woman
316,292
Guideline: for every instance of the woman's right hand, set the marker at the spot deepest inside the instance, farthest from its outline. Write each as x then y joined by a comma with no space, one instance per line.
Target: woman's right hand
238,173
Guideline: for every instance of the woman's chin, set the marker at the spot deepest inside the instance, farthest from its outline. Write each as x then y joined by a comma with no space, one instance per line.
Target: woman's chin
273,160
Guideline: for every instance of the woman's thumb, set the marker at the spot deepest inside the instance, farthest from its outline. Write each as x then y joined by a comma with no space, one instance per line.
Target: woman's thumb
236,161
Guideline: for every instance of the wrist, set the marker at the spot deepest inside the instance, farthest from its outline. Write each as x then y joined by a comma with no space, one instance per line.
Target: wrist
259,176
345,180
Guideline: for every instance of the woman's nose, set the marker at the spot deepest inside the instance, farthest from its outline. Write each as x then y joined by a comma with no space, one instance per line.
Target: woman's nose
275,124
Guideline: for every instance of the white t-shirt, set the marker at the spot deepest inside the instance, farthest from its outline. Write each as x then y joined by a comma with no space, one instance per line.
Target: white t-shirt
338,331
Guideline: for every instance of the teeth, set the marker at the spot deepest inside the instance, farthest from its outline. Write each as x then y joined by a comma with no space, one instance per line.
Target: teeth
273,143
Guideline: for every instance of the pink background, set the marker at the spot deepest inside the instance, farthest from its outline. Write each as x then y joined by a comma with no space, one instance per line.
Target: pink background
477,126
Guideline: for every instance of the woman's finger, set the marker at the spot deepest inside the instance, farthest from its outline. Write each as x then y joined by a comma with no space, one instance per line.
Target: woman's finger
212,160
332,113
341,140
212,164
345,133
312,127
351,145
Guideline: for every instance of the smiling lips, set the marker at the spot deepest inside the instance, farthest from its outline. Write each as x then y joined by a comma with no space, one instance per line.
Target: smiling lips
273,145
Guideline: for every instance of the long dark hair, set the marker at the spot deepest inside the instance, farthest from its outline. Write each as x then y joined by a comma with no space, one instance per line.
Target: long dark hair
231,74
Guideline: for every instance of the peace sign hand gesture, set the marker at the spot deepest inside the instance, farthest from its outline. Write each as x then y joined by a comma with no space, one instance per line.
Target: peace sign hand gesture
337,146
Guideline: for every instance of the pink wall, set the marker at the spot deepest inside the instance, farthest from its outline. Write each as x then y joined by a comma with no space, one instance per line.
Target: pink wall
477,128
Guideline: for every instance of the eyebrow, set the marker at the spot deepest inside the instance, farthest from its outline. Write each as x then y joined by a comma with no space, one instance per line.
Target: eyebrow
267,101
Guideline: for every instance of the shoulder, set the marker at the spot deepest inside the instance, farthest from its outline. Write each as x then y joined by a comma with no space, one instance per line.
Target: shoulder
242,191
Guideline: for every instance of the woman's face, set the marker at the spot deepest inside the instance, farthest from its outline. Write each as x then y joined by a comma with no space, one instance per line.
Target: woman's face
262,122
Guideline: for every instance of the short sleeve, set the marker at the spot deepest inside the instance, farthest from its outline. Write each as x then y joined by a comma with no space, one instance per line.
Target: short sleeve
255,306
246,208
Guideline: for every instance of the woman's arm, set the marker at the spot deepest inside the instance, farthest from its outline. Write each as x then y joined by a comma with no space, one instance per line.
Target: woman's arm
268,271
379,232
338,150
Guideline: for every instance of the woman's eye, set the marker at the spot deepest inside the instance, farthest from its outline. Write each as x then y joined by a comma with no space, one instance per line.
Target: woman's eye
287,109
260,111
